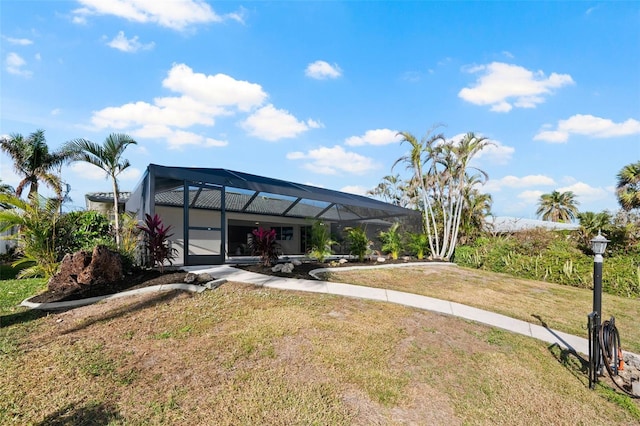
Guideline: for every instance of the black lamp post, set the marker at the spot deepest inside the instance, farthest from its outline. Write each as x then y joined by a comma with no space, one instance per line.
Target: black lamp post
598,245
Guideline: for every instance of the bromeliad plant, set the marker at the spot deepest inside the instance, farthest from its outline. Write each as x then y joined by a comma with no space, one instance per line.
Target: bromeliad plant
264,245
157,241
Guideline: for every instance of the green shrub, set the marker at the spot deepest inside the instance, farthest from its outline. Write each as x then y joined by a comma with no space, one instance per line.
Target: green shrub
391,240
358,242
552,257
83,230
417,243
321,241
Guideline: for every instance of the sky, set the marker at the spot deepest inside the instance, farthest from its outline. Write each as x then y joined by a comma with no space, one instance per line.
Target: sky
316,92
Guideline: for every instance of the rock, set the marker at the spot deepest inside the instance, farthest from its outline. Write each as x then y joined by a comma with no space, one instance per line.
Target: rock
190,278
381,259
82,268
343,261
287,268
277,268
296,262
204,277
406,258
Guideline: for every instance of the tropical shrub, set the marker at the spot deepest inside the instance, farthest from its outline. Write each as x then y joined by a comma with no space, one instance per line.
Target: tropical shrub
391,240
417,243
157,241
36,220
553,257
83,230
264,245
321,241
358,242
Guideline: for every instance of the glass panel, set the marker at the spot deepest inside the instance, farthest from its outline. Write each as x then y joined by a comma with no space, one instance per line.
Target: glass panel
308,208
204,242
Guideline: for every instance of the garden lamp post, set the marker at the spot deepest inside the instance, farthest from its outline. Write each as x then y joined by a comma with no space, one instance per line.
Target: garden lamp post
598,245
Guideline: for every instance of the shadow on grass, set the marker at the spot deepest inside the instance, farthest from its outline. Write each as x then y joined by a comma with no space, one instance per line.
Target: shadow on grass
569,358
20,317
76,415
160,297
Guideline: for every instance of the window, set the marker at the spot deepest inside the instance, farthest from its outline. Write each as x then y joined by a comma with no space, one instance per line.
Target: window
283,233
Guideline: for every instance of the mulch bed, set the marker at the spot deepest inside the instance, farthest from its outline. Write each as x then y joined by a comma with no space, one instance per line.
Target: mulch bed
137,279
151,277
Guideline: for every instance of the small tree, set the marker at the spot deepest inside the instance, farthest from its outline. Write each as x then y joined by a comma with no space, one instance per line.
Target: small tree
391,241
157,241
264,245
358,242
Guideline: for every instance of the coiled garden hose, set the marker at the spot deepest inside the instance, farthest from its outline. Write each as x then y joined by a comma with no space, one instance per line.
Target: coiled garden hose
609,339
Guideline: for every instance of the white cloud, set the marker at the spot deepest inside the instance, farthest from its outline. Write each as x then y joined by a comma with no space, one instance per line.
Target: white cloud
321,70
122,43
201,99
334,160
354,189
503,86
272,124
18,41
375,137
585,192
56,111
15,64
174,14
588,125
530,197
518,182
177,139
219,89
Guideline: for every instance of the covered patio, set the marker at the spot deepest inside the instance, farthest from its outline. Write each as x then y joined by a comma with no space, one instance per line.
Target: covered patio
213,211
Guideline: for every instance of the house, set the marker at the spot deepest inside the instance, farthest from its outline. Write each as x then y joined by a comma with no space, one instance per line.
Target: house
214,211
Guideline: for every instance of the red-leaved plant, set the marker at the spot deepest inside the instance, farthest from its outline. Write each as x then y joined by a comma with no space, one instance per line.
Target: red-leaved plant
264,244
157,241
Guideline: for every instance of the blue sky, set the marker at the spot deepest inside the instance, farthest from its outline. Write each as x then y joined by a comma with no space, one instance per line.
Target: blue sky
315,92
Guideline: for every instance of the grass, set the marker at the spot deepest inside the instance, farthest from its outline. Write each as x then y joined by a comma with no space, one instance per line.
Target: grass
560,307
245,355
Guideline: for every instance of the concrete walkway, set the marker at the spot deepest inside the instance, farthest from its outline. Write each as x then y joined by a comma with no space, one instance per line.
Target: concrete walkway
566,341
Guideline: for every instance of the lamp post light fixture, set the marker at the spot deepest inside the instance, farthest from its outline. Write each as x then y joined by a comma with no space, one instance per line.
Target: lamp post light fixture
598,245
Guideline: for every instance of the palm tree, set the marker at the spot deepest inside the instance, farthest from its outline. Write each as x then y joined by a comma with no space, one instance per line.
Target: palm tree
108,157
440,170
558,206
390,190
628,188
33,161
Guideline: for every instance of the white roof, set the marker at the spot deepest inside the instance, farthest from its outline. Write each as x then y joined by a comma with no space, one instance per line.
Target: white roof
515,224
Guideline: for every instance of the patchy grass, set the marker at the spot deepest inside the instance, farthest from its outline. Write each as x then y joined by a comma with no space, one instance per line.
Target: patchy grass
560,307
245,355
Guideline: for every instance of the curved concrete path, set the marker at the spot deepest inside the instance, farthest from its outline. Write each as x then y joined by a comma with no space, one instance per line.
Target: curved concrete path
567,341
225,273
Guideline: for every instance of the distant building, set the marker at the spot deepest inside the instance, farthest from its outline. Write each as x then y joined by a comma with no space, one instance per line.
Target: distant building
507,224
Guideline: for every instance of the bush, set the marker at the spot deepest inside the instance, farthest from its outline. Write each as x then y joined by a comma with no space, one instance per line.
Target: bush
157,241
553,257
391,240
417,243
358,242
83,230
264,245
321,241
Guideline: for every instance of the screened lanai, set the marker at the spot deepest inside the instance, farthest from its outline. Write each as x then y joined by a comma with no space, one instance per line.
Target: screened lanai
213,211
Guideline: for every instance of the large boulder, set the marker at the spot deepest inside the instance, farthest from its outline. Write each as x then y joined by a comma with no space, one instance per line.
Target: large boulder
82,268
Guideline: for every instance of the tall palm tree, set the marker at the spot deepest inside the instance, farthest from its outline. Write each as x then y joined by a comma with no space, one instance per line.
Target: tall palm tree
33,161
107,157
628,187
558,206
441,175
390,190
